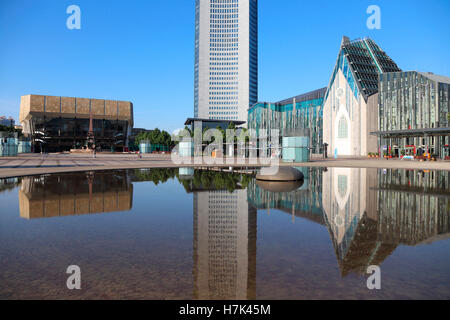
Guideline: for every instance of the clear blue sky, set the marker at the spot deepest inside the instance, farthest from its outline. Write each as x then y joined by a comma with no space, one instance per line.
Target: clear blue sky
143,51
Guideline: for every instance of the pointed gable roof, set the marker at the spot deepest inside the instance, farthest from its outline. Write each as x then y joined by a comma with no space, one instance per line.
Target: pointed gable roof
361,61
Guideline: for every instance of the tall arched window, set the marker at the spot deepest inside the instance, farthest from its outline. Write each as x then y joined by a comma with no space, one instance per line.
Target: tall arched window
342,185
342,128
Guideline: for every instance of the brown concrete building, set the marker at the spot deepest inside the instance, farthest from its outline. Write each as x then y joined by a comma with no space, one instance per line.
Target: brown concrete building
63,123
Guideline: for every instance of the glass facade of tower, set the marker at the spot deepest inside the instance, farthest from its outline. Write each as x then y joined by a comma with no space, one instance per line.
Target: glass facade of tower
300,113
253,49
223,57
226,58
197,55
414,114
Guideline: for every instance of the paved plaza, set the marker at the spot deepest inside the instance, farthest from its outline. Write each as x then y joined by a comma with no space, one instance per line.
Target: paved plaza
32,164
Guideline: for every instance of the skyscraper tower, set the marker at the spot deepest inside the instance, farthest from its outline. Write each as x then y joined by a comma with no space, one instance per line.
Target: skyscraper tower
226,58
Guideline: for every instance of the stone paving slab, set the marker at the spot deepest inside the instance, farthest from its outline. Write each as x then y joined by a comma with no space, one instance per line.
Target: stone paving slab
34,164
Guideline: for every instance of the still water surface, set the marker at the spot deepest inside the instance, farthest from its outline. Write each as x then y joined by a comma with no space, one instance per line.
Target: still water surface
182,234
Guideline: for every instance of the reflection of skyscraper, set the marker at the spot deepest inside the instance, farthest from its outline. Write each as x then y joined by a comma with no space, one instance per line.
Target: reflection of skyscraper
75,193
224,245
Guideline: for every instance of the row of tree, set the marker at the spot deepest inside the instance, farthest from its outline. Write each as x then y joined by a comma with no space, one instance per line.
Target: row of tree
202,179
241,133
10,129
158,137
155,136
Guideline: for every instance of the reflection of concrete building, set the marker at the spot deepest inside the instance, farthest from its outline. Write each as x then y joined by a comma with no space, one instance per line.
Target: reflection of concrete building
74,193
224,245
350,110
369,212
63,123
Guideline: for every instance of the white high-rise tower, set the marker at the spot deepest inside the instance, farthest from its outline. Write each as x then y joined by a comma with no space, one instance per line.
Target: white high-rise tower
226,58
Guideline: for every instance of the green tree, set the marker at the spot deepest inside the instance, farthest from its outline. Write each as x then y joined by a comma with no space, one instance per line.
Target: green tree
167,139
141,136
10,129
155,136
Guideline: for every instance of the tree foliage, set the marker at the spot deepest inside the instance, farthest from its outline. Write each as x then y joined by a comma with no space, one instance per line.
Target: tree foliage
155,136
10,129
202,179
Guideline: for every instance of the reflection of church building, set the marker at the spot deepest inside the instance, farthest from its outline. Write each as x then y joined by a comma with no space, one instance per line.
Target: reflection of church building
369,212
74,193
224,245
346,199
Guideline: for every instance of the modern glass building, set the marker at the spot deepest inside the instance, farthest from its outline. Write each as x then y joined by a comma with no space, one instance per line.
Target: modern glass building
64,123
414,114
299,115
226,58
350,104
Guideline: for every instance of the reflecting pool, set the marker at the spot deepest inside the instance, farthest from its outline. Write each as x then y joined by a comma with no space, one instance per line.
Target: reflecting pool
196,234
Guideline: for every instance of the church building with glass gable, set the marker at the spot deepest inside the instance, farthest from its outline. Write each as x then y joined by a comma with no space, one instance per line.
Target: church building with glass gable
369,106
350,107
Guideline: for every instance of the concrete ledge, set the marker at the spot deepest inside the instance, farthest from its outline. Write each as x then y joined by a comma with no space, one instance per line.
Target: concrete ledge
34,164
